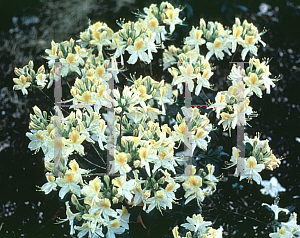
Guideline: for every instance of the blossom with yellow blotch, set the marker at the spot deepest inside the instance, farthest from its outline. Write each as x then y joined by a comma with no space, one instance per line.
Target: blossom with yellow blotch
137,50
69,183
120,163
252,169
22,83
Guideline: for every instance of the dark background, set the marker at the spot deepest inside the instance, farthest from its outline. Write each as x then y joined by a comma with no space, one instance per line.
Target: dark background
26,30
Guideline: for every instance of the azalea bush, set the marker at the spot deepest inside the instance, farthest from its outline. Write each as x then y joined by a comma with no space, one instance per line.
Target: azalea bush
151,173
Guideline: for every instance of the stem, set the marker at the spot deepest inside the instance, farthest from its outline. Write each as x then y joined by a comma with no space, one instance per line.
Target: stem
98,153
121,127
52,101
235,213
93,163
142,66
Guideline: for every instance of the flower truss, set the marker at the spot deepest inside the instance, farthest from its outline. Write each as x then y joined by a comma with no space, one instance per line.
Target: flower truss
145,170
289,229
258,157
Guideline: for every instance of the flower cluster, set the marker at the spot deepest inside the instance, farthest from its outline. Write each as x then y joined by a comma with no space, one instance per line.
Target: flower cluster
145,169
289,229
233,104
198,228
219,40
27,76
258,156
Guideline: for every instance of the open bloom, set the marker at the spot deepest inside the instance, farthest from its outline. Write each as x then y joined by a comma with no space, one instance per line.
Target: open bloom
248,45
252,169
69,183
50,185
195,39
137,50
291,225
172,18
196,223
70,64
121,163
276,209
22,84
271,187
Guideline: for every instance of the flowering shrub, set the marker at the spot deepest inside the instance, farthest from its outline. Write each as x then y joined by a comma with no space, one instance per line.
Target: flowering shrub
145,172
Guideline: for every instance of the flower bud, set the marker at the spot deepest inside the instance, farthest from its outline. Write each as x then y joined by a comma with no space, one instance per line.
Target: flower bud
188,234
163,5
181,57
60,54
49,166
29,78
37,112
202,24
207,34
74,200
162,180
74,91
30,64
178,117
156,186
163,16
237,21
107,179
17,72
115,200
129,41
41,70
135,132
186,48
71,42
147,194
136,163
33,126
124,143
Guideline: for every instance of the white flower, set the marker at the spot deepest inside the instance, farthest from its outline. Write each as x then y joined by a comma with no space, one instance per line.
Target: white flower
252,169
281,233
37,141
114,228
200,139
159,201
172,18
22,84
69,183
50,185
138,51
94,232
291,225
41,80
253,84
120,163
275,209
70,64
195,39
124,187
202,80
217,49
271,187
196,223
70,217
248,45
219,104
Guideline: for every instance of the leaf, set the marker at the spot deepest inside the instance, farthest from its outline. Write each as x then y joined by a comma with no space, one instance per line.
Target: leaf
190,11
173,109
241,7
223,7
